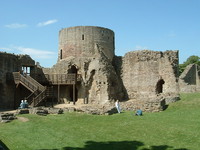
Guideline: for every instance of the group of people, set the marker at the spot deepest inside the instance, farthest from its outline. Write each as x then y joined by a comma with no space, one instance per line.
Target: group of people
117,105
23,104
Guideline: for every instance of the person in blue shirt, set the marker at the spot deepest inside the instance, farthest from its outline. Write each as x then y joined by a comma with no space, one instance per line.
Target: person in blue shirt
22,105
25,104
138,112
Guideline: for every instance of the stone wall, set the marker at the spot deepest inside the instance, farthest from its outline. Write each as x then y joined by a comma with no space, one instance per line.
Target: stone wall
99,80
148,77
150,73
9,63
189,80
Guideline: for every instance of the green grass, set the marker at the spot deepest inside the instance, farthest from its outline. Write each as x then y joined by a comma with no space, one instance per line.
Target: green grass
177,128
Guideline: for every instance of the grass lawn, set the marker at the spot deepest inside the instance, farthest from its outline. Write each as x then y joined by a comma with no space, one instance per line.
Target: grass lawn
177,128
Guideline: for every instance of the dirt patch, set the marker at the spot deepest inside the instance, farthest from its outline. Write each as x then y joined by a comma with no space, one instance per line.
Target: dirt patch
22,119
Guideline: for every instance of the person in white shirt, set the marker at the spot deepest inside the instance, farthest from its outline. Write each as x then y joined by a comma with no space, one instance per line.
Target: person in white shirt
117,105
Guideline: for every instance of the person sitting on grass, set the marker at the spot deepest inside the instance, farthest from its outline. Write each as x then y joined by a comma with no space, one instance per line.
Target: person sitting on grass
22,104
25,104
138,112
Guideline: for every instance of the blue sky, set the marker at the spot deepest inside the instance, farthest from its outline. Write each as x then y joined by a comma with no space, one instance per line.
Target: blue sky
32,26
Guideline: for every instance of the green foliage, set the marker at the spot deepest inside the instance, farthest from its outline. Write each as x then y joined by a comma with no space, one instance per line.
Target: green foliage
173,129
191,60
182,68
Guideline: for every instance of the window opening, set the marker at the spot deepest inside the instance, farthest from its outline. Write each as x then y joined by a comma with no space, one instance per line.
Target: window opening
26,70
82,36
61,54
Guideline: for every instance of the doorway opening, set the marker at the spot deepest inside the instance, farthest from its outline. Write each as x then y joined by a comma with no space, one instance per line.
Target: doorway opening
72,69
159,86
73,93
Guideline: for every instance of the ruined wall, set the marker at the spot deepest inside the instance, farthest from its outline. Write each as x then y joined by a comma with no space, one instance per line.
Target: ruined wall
189,80
148,79
146,74
9,95
142,75
99,81
8,64
81,41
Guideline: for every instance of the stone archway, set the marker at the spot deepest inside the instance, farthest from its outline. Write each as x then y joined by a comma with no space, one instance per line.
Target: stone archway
73,91
72,69
159,86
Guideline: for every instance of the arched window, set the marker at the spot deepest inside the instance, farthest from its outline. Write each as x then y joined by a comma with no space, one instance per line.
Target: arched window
159,86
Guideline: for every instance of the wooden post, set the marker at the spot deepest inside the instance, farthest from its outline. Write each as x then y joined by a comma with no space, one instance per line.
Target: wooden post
58,93
74,94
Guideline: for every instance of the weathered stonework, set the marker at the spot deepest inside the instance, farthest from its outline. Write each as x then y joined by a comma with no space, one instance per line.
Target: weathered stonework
143,70
145,79
11,63
189,80
85,41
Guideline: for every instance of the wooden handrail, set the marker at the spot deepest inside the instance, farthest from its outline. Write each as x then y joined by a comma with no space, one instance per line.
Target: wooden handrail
28,82
39,98
39,86
58,78
32,85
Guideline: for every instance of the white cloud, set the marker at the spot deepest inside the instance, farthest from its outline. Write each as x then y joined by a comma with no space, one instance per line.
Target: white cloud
41,24
139,47
16,25
35,53
46,58
5,49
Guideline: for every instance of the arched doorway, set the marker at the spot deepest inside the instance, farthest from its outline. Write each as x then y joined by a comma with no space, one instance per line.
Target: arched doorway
73,92
159,86
72,69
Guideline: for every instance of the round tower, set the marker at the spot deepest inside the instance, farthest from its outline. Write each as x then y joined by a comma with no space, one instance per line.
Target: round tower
85,41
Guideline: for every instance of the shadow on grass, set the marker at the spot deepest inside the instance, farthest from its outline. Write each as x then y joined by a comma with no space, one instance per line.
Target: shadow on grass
3,146
122,145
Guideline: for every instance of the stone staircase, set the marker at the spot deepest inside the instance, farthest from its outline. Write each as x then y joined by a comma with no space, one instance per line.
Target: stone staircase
39,92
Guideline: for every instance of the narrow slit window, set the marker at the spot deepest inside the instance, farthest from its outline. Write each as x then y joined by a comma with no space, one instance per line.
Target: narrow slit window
82,36
61,54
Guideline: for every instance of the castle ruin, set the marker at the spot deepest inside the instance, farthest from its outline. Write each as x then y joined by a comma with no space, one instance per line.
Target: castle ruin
189,80
89,73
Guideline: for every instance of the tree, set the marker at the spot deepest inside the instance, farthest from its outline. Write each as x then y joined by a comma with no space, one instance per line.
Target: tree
193,60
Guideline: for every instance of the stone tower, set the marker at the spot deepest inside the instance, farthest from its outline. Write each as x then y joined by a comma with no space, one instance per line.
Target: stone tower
81,41
89,52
